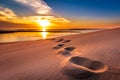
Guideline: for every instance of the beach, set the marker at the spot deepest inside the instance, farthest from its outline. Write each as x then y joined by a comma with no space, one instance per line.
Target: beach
53,59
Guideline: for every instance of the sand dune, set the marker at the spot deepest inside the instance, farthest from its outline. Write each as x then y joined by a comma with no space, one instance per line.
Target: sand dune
97,54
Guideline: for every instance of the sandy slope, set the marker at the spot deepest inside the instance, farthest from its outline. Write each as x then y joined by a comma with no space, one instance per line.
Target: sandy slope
39,60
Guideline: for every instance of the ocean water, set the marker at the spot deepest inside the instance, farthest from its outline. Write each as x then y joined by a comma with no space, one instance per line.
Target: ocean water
29,36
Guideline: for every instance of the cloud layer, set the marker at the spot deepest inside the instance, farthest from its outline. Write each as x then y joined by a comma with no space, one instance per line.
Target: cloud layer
38,6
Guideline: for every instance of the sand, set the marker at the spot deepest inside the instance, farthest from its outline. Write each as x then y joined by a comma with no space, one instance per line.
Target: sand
88,56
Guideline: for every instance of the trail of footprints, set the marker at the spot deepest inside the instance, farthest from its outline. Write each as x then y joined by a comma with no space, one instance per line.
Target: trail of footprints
67,50
76,66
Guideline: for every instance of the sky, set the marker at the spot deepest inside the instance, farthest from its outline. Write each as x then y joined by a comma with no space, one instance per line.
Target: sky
24,14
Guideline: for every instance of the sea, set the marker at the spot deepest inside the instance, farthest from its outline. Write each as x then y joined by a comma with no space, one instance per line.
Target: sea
19,36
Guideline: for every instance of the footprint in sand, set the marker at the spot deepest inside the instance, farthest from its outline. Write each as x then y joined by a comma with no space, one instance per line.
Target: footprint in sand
70,48
52,39
66,41
80,67
59,39
58,46
66,51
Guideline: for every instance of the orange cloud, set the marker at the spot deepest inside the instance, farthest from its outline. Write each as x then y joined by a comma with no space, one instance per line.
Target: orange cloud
39,6
6,14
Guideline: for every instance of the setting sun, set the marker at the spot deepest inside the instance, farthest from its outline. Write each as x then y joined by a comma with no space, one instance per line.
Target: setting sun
43,22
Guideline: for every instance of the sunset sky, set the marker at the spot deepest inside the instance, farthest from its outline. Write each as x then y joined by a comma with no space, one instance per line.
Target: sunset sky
27,14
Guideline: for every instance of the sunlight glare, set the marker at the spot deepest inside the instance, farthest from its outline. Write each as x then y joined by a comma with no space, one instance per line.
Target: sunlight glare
44,33
43,22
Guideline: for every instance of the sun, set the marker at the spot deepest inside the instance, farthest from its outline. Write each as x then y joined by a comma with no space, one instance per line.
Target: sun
43,22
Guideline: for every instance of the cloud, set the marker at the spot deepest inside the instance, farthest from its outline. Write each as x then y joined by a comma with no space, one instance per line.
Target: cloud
6,14
41,8
38,5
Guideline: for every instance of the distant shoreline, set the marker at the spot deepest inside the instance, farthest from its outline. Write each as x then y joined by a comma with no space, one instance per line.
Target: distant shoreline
49,30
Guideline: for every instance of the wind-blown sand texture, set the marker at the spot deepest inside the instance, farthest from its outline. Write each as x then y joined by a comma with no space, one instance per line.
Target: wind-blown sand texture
41,60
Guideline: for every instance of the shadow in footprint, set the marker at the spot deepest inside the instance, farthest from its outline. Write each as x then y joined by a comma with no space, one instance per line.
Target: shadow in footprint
64,53
58,46
52,39
80,67
88,63
59,40
91,77
70,48
66,41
